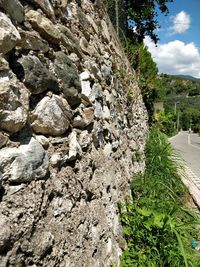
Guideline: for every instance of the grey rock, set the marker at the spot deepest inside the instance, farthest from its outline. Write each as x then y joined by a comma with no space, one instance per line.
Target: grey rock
93,24
14,101
74,58
85,118
69,79
32,41
14,8
51,116
42,140
105,31
86,48
44,26
5,233
98,110
84,139
97,91
43,243
9,35
108,97
24,164
98,137
61,206
37,77
69,41
59,140
106,72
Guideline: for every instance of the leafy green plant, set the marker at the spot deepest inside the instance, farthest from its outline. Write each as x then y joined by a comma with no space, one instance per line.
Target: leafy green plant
157,227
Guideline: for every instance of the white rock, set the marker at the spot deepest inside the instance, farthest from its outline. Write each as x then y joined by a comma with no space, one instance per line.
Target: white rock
42,140
84,76
9,35
55,159
25,163
107,149
85,90
14,99
106,113
98,111
74,147
51,116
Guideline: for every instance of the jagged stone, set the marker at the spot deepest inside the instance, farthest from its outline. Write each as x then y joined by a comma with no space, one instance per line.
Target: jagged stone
93,24
69,79
84,139
25,163
44,26
14,8
98,110
85,118
42,140
108,97
92,66
46,6
37,77
43,243
14,101
5,233
32,41
106,113
70,41
3,140
51,116
106,72
55,159
86,48
97,92
105,31
74,147
74,58
9,35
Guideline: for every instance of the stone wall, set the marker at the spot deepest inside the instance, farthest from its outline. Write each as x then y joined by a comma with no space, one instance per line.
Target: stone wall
73,129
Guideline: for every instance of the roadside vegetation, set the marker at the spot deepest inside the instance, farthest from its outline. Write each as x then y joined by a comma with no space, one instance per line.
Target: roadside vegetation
157,225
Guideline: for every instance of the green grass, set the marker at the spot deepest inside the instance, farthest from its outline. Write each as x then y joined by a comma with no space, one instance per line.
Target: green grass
158,228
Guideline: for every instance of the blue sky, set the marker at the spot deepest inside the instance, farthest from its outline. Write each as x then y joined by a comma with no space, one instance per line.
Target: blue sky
178,51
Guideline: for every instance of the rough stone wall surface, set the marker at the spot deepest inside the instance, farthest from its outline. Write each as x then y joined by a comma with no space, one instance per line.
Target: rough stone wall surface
73,129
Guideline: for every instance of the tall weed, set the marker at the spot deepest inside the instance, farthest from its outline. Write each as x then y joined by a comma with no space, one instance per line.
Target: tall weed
157,227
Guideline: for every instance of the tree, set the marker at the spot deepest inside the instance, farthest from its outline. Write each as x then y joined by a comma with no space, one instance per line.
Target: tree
143,13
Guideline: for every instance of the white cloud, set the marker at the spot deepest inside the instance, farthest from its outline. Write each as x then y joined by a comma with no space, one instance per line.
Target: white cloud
181,23
176,57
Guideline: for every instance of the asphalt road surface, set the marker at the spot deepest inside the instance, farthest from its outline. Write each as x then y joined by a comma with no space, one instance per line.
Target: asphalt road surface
188,146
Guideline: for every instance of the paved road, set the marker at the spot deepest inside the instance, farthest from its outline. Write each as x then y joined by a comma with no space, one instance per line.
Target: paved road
188,146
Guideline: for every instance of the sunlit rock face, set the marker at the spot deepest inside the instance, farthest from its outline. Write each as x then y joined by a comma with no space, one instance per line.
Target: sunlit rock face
69,135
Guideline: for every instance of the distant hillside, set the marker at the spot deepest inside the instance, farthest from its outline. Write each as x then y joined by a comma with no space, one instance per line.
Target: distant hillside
188,77
179,85
181,95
